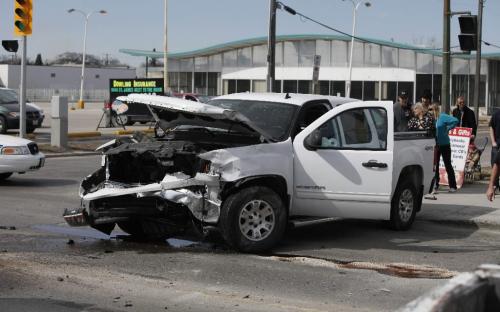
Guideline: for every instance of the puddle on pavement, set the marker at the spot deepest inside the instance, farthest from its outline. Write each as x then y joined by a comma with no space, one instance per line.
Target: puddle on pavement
405,270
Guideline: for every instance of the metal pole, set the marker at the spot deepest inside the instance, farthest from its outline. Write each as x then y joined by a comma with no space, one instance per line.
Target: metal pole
81,104
477,79
22,91
445,80
271,47
165,49
147,60
348,84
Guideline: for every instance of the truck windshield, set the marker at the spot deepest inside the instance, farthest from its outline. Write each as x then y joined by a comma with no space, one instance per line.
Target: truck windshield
8,96
274,118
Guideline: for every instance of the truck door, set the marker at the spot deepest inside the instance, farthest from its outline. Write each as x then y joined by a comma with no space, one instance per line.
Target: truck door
343,163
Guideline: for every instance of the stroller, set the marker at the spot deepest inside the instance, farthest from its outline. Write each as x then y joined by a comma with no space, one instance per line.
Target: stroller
473,162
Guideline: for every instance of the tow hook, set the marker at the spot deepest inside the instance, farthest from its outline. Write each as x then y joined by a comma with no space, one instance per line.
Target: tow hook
76,217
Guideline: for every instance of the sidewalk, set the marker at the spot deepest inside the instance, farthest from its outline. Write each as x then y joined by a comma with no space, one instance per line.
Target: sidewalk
468,206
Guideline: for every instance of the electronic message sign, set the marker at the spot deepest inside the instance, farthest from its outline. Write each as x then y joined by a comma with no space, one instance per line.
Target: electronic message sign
119,87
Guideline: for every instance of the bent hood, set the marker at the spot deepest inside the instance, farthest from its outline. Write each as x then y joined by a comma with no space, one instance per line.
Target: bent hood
194,109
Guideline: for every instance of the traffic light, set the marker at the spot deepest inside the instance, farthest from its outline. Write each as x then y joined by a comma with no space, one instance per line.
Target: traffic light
10,45
23,10
468,32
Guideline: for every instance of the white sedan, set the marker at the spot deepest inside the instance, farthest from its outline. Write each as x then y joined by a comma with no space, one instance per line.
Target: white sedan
18,155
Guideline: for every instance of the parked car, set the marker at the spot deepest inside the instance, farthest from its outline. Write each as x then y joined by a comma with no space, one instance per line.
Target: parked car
18,155
9,112
248,164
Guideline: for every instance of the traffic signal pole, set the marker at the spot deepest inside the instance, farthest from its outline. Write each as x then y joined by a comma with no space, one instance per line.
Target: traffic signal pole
477,79
22,91
445,77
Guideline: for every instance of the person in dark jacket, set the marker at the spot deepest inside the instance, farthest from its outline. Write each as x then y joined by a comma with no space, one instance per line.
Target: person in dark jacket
465,115
402,113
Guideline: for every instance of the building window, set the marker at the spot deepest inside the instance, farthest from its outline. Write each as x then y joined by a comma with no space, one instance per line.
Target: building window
245,57
370,91
215,63
337,88
201,64
406,59
290,86
389,91
424,85
324,87
200,83
406,86
242,85
357,90
230,58
305,86
323,50
213,81
259,86
372,55
389,57
277,86
291,54
339,53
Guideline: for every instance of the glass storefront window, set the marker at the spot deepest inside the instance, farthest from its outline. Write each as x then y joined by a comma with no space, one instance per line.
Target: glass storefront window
245,57
370,91
186,82
260,55
307,50
438,65
200,83
459,66
323,87
424,84
289,86
389,91
229,86
389,57
436,88
406,86
337,88
242,85
323,49
173,65
259,86
213,83
277,86
305,86
339,53
230,58
291,53
372,55
357,90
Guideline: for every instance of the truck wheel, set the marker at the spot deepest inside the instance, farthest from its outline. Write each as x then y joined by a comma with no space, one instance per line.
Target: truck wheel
3,125
253,219
119,120
404,206
4,176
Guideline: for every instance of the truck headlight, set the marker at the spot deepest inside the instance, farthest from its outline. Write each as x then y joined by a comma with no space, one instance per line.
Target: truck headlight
14,150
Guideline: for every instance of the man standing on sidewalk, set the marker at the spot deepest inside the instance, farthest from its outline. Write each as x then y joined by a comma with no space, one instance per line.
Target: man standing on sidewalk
465,115
490,192
495,140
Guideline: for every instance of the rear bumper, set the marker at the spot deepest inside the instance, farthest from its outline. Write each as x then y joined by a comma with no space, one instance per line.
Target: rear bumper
21,163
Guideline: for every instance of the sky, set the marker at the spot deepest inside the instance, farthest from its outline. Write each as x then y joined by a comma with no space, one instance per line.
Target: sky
195,24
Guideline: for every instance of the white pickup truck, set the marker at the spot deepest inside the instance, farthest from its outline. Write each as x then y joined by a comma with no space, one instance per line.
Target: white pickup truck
248,164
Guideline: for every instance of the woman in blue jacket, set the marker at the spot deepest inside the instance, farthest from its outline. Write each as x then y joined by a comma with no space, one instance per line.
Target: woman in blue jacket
444,123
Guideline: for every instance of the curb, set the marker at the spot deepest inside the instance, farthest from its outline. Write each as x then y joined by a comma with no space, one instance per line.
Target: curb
87,134
61,155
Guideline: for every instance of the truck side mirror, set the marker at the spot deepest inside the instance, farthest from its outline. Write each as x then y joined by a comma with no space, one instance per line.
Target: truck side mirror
313,141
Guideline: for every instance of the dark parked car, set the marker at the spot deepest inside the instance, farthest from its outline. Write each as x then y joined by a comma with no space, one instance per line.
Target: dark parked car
9,112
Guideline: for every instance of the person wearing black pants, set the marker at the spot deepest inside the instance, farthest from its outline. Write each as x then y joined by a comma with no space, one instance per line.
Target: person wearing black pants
495,139
445,152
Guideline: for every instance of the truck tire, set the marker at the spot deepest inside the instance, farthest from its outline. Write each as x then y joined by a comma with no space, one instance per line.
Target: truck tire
404,206
253,220
3,125
4,176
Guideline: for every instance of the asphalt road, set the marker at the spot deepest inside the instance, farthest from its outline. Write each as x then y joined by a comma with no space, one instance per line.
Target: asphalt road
336,266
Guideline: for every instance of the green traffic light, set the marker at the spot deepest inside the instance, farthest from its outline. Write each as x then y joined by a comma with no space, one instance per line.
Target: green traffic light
20,25
20,13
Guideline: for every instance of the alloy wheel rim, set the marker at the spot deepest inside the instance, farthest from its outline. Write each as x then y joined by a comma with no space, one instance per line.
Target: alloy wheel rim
256,220
406,205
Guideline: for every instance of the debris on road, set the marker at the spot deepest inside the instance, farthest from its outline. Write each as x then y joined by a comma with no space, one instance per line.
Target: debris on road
70,242
11,228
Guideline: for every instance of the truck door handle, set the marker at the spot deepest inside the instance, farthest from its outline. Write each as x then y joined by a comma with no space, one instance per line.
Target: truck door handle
374,164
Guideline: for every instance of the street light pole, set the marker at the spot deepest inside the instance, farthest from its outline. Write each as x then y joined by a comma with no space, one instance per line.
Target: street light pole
477,78
445,81
355,6
271,47
81,103
165,54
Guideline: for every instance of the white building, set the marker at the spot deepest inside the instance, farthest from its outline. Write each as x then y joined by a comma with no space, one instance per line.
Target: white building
44,81
381,69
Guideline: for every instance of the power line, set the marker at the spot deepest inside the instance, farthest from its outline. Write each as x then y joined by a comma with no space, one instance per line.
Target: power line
490,44
291,11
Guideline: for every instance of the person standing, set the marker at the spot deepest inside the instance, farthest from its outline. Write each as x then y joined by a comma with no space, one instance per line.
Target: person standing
402,113
420,120
495,140
466,116
444,123
490,191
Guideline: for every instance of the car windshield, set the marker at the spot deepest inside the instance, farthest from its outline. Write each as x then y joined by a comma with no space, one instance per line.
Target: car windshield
274,118
8,96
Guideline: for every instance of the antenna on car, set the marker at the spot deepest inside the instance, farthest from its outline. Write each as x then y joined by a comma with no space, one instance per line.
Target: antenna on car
287,96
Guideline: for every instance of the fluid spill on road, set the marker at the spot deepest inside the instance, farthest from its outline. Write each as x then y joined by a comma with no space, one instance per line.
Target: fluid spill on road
405,270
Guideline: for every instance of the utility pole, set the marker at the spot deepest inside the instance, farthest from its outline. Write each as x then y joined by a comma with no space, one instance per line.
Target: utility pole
271,47
445,77
165,54
477,77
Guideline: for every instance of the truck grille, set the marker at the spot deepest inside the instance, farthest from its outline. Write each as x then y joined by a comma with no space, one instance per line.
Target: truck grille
33,147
